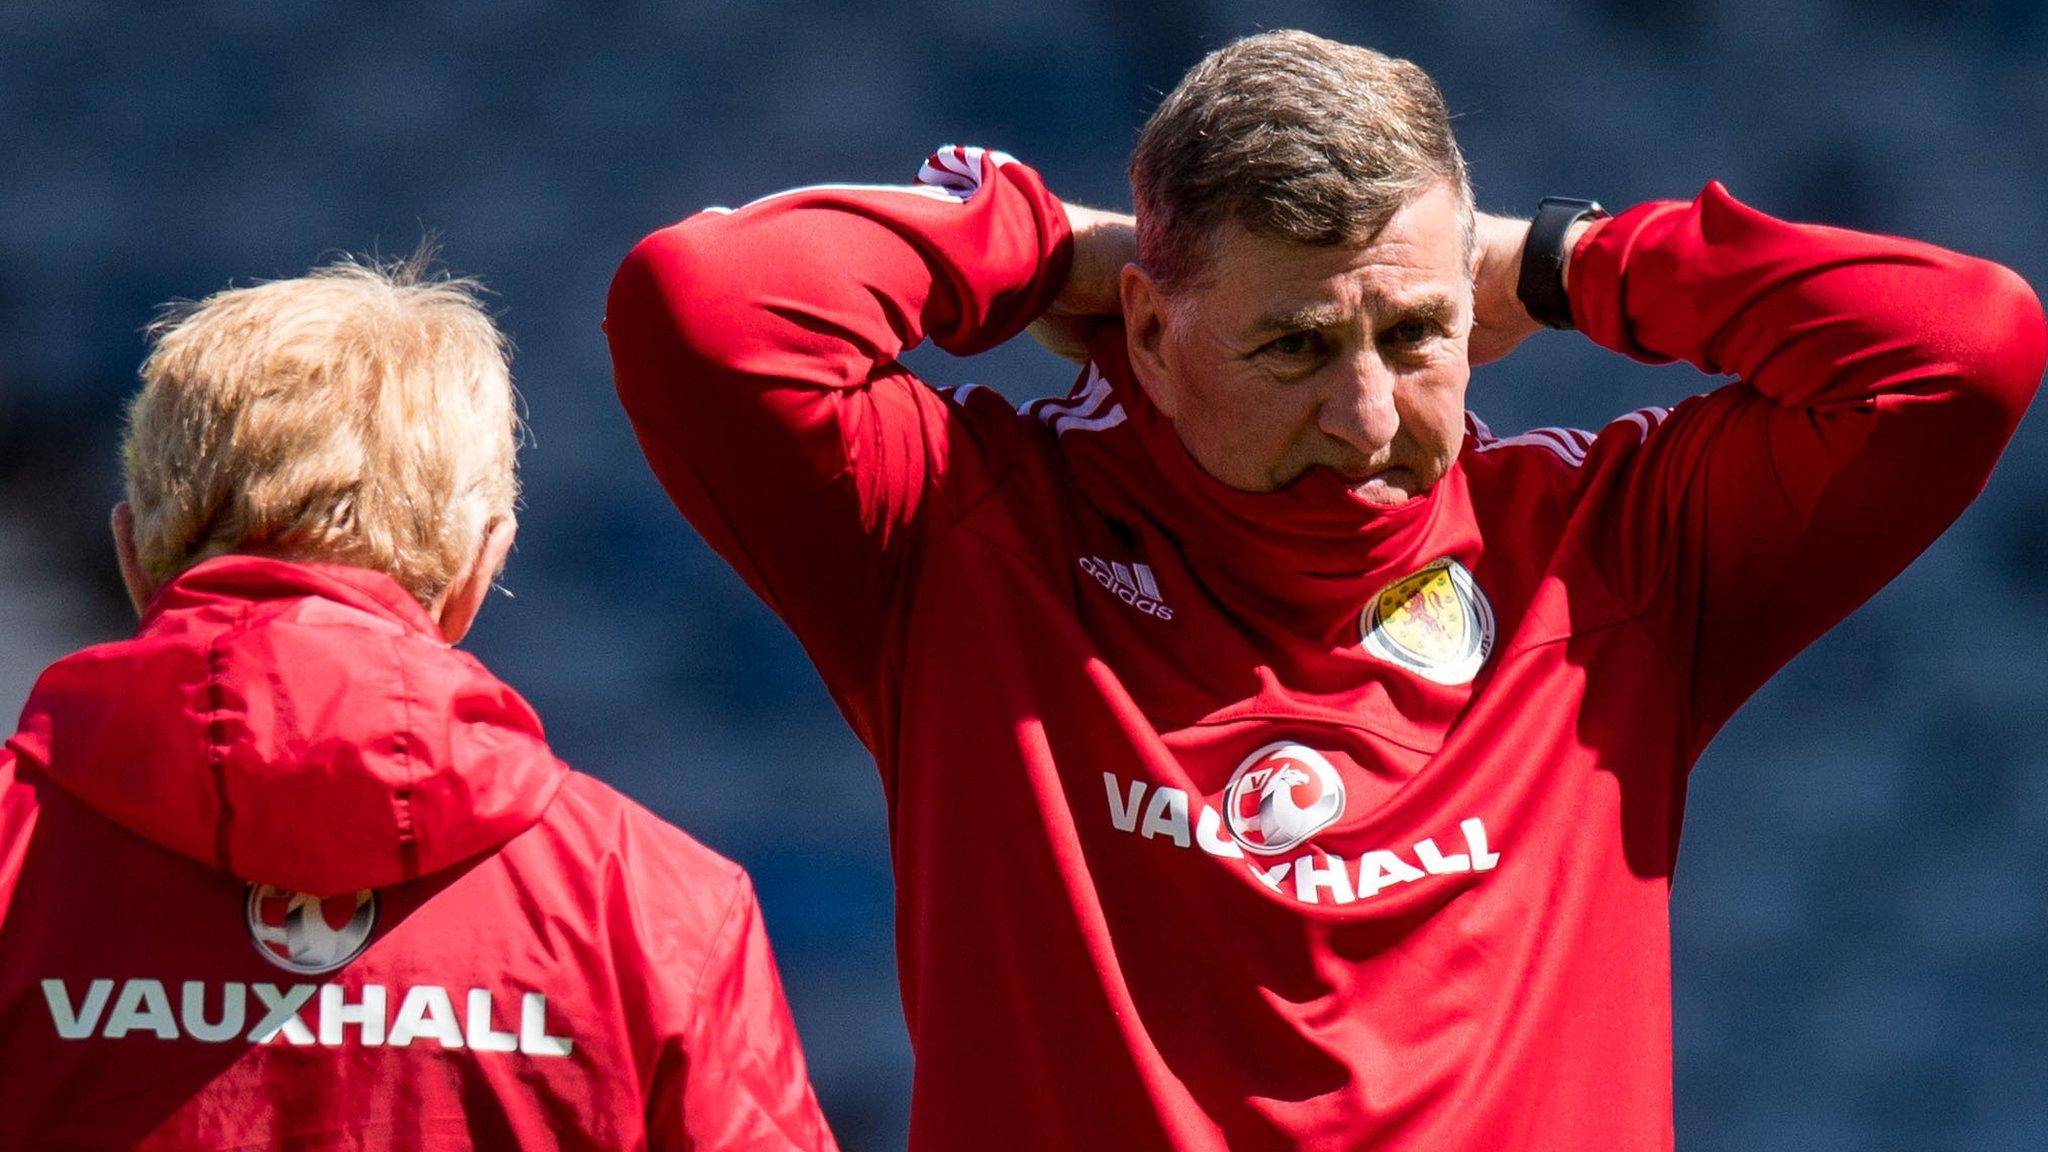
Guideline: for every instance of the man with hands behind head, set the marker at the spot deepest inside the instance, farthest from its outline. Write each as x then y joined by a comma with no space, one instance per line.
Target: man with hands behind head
1277,758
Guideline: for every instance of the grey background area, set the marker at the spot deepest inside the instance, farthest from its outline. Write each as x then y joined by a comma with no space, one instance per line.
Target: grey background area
1859,905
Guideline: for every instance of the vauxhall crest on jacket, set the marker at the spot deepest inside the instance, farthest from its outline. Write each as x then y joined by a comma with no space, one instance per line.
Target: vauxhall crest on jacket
1280,796
303,933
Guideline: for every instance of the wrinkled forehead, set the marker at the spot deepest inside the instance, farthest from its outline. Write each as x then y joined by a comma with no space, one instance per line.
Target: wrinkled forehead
1422,254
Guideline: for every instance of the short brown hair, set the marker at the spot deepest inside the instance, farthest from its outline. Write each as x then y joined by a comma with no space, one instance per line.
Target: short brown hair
362,414
1295,138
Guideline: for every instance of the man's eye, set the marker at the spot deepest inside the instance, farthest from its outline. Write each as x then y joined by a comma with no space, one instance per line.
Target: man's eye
1293,344
1411,332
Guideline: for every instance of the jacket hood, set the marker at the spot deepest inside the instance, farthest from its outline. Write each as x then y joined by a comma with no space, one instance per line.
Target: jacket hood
302,725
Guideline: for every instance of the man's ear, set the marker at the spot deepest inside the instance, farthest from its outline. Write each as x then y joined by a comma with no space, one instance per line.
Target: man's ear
1145,318
140,586
459,605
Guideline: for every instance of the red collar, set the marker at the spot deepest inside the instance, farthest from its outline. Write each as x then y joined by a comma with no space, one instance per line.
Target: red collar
1307,557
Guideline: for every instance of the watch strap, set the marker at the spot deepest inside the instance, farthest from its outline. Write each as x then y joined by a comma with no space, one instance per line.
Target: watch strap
1540,284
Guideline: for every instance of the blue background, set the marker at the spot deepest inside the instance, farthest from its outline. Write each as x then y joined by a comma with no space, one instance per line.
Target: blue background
1859,906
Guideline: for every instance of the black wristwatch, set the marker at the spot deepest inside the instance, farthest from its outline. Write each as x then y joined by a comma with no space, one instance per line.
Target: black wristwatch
1540,286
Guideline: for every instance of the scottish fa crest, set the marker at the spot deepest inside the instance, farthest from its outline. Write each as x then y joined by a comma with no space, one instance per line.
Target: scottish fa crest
1435,622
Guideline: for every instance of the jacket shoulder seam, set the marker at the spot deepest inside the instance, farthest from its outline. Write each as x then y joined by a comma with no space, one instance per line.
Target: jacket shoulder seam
720,943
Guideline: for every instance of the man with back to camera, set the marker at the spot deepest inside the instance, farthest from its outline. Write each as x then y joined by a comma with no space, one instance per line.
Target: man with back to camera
288,869
1276,757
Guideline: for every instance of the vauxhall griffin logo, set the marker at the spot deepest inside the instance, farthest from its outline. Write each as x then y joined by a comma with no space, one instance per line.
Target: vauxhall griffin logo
1280,796
300,932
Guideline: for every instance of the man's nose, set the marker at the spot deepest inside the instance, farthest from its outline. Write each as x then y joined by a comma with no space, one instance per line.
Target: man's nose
1360,410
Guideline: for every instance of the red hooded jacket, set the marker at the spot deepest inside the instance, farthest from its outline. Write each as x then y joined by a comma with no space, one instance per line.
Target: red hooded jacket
286,870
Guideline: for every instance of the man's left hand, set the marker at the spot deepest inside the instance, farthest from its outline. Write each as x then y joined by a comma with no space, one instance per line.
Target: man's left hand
1499,322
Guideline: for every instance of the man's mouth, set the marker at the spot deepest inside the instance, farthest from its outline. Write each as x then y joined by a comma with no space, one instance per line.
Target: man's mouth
1384,486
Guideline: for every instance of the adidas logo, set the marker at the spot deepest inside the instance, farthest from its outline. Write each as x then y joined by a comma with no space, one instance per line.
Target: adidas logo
1131,583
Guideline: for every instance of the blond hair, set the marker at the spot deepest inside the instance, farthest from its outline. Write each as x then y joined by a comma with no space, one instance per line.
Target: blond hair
1293,137
362,414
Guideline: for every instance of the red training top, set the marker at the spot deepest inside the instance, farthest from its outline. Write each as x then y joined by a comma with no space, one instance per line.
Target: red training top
1250,821
452,941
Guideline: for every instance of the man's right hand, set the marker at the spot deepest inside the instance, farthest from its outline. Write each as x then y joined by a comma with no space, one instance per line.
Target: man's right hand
1103,243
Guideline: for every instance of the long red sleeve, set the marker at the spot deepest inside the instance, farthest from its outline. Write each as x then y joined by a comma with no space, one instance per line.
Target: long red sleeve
1879,379
756,352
